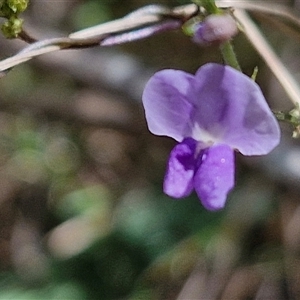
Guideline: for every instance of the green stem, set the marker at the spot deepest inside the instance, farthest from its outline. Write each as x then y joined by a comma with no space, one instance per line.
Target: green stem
226,47
210,6
229,55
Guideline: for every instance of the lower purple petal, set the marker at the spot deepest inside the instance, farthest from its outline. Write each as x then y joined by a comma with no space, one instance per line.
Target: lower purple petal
215,176
178,182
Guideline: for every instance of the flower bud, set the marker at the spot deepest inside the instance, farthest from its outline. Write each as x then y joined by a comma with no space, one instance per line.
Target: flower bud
215,29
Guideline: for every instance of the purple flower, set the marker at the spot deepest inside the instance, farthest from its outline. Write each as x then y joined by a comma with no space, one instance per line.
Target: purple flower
215,29
211,114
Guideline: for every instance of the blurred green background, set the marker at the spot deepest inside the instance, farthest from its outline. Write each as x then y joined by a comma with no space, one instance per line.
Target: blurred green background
82,213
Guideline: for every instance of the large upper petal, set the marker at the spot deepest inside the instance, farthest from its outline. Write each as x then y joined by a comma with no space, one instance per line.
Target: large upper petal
231,108
166,103
215,176
181,166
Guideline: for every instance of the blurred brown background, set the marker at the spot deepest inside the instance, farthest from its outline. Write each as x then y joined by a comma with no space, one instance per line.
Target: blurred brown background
82,212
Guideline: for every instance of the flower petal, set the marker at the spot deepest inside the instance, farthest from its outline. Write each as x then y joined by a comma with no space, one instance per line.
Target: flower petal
215,176
166,106
231,107
178,181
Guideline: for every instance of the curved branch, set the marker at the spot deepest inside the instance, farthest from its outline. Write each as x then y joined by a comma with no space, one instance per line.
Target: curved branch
139,24
154,18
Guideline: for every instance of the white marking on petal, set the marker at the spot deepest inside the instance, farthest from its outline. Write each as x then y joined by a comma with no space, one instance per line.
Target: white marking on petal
199,134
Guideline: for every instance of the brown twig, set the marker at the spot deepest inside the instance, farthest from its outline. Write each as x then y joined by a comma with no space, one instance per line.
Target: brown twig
142,18
26,37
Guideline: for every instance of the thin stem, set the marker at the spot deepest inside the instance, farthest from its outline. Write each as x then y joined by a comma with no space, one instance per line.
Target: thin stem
226,47
229,55
209,5
24,36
